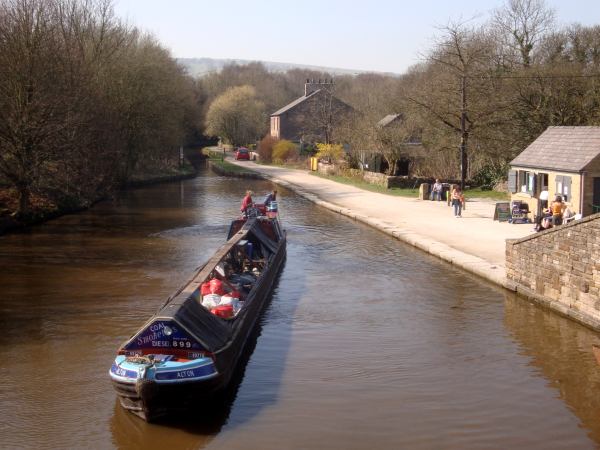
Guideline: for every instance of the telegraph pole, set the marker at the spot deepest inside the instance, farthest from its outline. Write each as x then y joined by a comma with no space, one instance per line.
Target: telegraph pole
464,135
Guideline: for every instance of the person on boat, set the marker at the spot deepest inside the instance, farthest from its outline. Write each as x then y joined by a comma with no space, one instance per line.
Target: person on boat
271,197
246,203
270,205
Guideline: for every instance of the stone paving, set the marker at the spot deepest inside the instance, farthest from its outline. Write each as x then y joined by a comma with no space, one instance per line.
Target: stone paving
474,242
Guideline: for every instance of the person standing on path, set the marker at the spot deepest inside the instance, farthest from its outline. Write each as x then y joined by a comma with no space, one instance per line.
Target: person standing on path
436,191
458,201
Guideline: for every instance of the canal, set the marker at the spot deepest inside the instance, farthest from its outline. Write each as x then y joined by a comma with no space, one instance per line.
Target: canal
367,342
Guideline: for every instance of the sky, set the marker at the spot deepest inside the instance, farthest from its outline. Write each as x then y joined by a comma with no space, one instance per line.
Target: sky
375,35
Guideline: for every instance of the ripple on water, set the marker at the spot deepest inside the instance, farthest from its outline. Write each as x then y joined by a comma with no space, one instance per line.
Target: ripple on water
367,343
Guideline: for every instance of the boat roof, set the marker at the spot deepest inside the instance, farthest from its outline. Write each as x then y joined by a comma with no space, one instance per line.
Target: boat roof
185,309
200,323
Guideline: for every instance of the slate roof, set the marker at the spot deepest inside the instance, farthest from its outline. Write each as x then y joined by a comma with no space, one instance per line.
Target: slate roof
568,149
294,103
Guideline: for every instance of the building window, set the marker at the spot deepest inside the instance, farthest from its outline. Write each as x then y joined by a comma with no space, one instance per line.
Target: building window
543,181
530,183
563,187
275,127
526,182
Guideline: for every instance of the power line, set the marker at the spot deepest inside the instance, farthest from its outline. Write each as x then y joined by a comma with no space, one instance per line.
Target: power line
531,77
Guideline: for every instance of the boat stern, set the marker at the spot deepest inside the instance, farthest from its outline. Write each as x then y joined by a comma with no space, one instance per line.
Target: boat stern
150,384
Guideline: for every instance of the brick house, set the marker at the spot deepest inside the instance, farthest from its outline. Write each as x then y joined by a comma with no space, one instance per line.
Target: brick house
312,117
562,161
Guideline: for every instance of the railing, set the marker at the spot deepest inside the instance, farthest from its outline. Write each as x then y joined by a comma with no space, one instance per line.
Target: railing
595,209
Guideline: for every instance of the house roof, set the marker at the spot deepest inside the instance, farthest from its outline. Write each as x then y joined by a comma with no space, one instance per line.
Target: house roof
388,119
295,103
569,149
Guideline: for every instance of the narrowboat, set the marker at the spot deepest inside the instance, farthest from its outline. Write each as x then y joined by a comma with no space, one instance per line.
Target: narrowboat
188,350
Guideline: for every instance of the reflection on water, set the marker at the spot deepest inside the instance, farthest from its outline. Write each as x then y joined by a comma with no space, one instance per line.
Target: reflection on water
367,343
197,426
560,351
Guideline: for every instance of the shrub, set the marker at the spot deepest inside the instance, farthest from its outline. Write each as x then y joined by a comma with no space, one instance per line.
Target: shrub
284,151
309,149
265,148
489,175
330,152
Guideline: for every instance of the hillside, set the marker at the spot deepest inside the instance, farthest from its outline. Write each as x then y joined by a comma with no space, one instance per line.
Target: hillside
203,66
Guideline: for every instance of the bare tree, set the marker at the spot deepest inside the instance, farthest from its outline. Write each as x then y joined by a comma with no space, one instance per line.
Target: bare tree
81,97
325,112
456,91
522,24
358,131
396,139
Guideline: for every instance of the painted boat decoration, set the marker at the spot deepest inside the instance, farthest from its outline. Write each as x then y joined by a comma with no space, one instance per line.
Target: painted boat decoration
189,349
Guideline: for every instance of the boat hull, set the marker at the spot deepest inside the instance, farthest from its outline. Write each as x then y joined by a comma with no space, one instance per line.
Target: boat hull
152,401
151,398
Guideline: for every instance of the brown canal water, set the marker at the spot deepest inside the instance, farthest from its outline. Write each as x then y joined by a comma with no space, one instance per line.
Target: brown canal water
367,343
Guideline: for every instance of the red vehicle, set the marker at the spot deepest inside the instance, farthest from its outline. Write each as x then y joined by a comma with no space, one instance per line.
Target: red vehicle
242,153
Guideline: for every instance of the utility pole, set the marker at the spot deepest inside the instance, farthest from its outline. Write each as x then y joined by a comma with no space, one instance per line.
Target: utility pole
464,135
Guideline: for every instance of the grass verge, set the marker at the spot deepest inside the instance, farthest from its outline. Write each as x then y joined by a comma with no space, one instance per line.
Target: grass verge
409,192
231,170
400,192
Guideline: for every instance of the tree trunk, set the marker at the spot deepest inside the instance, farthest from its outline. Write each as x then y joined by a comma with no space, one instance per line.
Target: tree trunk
24,194
464,133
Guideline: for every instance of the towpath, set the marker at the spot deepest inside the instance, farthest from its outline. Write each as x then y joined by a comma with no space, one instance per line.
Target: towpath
474,242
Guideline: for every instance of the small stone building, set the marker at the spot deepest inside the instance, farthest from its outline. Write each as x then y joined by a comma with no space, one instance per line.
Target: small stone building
390,132
563,161
312,117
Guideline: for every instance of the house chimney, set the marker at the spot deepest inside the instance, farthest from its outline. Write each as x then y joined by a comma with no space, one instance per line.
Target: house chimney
309,87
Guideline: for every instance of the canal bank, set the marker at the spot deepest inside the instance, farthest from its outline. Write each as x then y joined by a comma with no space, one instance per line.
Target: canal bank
9,223
475,242
556,277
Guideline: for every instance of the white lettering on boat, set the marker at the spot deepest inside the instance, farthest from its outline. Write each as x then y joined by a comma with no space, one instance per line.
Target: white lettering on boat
157,326
157,330
185,374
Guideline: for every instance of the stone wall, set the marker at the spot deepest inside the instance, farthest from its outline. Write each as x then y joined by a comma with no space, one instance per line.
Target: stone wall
379,179
560,268
327,169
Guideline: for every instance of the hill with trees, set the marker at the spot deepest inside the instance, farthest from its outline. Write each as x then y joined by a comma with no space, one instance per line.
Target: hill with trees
87,101
491,87
198,67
